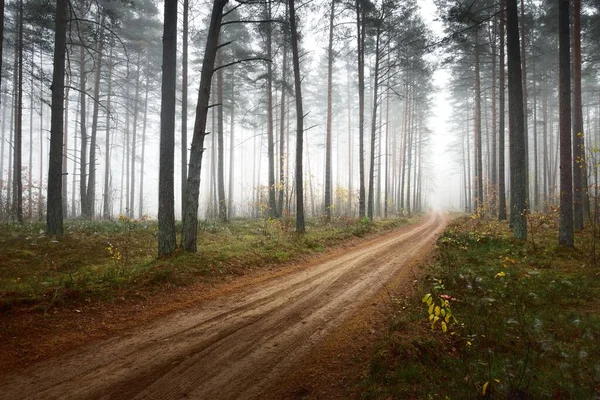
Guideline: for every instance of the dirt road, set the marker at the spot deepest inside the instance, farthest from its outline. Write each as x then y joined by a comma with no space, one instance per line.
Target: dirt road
230,347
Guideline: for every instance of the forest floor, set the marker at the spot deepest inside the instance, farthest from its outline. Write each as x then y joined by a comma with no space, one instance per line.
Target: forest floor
495,317
251,335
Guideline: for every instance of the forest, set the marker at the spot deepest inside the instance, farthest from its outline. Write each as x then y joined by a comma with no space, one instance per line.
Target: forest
157,157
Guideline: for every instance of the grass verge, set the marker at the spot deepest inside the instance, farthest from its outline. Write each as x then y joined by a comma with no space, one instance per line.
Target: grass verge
495,318
104,260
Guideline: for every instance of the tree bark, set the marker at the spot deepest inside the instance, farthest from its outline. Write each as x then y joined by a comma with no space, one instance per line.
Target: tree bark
166,196
85,209
479,200
106,210
91,187
501,146
300,224
579,164
370,201
329,114
190,212
221,143
270,135
54,214
283,156
360,33
184,102
516,120
17,182
144,124
565,231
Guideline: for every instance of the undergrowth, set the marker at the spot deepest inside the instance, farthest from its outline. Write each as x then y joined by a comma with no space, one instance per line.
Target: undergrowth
525,321
108,260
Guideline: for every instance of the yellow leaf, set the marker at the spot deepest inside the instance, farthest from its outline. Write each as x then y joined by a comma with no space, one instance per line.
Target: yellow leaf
430,311
469,343
497,380
447,318
427,296
484,388
437,310
500,274
443,312
444,327
430,317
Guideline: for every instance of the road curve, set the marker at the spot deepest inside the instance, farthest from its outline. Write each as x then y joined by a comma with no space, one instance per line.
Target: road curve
231,347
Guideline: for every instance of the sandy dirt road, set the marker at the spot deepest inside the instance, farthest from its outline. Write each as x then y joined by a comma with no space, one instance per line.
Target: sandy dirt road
230,347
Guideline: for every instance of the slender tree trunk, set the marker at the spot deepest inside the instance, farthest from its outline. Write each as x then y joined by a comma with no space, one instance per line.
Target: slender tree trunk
283,155
85,209
17,192
74,173
350,145
270,135
106,211
370,201
536,182
282,142
494,155
579,164
30,180
221,144
54,214
231,146
136,100
329,114
518,156
144,124
300,224
360,32
501,146
190,214
479,200
166,196
91,186
565,232
65,160
184,102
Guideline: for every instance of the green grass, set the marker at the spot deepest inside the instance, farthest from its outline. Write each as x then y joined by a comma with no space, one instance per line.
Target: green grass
103,260
528,321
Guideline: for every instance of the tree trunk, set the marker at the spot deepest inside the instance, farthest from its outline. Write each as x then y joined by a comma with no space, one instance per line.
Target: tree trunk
494,150
166,196
17,192
270,136
516,120
136,105
282,142
329,114
370,201
360,33
579,166
106,211
184,102
144,124
300,224
85,209
221,143
501,146
30,180
231,147
190,212
565,232
479,200
54,214
91,187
